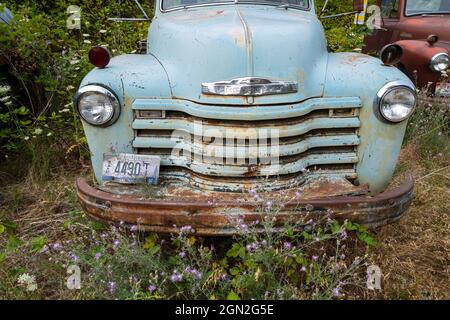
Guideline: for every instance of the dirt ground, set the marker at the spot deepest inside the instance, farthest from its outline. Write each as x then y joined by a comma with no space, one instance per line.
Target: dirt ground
414,254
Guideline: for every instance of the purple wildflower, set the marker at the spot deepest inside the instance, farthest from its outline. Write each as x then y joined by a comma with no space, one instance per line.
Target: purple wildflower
112,287
116,244
182,254
252,247
336,292
57,246
73,257
303,269
344,235
315,258
287,245
134,228
269,204
186,229
44,249
98,255
151,288
176,277
253,192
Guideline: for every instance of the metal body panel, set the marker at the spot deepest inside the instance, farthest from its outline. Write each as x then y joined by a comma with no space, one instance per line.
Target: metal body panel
221,43
128,76
381,141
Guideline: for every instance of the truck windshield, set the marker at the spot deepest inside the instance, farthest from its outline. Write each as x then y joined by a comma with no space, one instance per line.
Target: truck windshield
171,4
420,7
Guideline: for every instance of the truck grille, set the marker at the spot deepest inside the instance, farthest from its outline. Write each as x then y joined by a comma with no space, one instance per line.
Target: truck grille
313,138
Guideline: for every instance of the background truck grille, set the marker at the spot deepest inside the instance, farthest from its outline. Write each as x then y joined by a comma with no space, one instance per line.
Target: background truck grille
316,137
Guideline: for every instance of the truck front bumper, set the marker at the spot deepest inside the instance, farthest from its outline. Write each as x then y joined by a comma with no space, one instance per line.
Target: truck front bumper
212,217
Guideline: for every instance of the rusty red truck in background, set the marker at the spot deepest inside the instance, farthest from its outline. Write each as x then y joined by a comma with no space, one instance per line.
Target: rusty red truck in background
417,33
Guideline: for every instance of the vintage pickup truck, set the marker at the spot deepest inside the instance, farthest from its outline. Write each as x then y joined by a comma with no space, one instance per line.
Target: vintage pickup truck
238,110
420,30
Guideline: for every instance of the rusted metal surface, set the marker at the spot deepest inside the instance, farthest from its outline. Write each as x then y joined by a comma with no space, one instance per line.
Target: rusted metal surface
411,33
212,214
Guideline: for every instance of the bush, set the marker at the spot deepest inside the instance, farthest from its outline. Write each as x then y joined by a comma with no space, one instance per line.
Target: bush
45,63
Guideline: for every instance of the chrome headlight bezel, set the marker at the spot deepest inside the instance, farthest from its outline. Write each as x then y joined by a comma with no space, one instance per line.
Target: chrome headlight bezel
109,94
388,88
434,64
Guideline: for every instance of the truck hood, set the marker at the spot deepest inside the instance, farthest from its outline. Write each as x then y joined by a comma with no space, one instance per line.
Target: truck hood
221,43
419,28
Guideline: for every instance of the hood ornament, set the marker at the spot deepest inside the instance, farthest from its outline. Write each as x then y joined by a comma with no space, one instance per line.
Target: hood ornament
249,86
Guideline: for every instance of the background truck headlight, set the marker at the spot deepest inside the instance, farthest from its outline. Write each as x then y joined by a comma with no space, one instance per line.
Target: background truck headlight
97,105
440,62
396,101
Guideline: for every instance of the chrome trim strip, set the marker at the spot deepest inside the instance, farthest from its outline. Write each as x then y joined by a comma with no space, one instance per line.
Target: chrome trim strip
249,86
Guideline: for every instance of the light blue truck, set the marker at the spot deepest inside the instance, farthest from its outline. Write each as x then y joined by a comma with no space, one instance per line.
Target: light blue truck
237,111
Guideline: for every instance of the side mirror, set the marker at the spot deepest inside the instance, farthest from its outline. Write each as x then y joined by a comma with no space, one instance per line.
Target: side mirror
358,5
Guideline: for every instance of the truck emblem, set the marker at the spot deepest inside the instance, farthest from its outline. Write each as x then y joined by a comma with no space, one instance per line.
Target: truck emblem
249,86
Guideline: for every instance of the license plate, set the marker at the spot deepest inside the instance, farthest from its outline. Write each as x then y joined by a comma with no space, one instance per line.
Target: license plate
131,168
443,89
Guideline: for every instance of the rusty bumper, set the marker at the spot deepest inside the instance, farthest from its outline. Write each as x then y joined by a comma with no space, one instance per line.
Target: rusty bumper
212,218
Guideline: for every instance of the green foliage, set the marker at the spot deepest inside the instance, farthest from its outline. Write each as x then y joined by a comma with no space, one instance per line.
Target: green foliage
429,128
342,34
42,63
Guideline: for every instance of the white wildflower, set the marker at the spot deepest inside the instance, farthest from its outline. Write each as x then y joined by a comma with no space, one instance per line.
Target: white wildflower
26,138
75,61
87,41
37,131
5,99
102,31
28,281
49,134
65,110
4,90
86,35
70,87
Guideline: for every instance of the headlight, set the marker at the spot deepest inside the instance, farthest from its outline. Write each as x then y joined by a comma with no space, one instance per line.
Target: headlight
97,105
396,101
440,62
